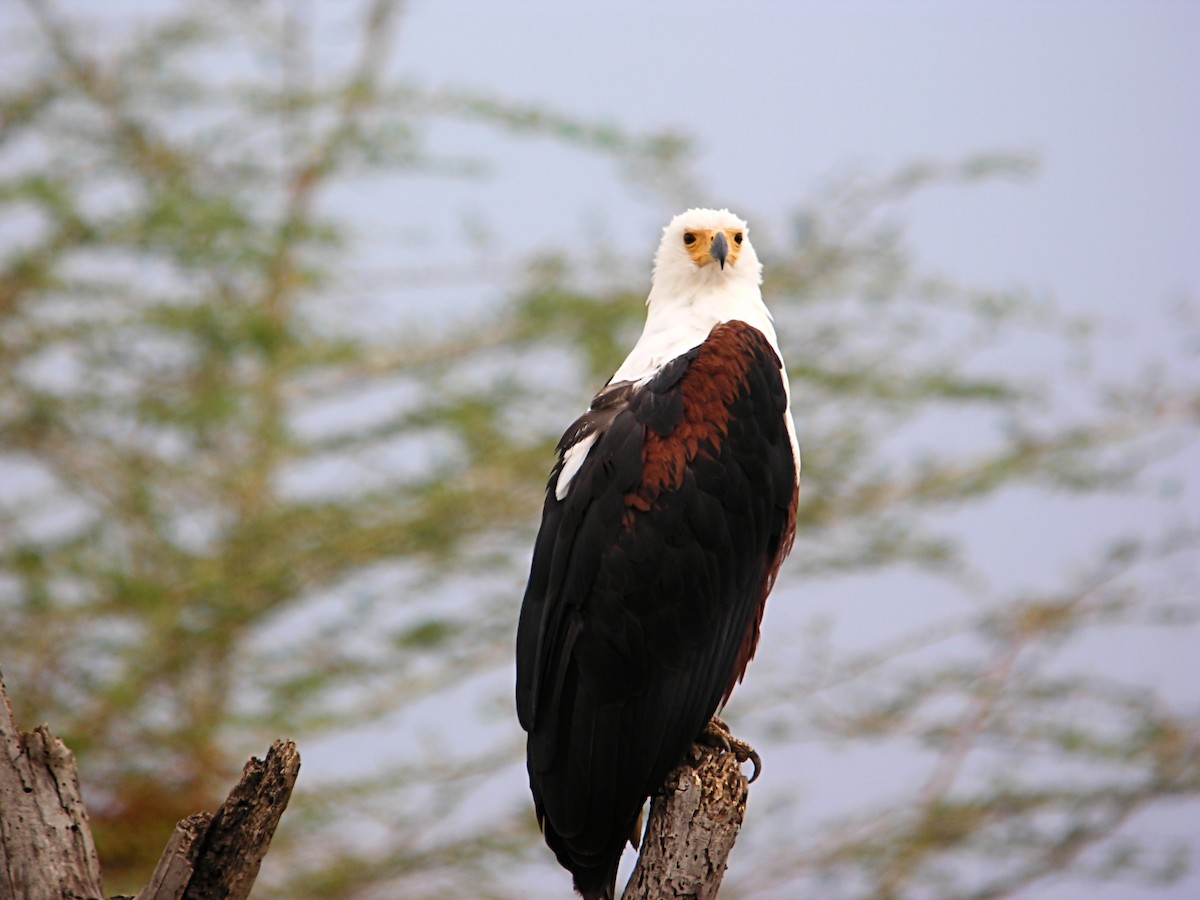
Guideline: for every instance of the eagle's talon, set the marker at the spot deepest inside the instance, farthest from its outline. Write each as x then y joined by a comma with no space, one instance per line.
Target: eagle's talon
746,753
717,735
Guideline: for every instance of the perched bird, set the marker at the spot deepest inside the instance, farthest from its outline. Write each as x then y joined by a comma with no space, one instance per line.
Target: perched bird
667,516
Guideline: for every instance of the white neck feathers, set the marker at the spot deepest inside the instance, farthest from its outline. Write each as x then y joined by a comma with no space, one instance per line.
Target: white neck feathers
684,306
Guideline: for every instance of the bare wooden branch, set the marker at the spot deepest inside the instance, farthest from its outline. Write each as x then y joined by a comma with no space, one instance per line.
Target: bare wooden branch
46,849
693,823
226,857
178,861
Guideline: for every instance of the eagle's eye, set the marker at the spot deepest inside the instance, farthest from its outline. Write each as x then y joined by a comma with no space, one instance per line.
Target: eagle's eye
689,238
737,238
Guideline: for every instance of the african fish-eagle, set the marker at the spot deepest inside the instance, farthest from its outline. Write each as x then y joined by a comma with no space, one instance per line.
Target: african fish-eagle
666,518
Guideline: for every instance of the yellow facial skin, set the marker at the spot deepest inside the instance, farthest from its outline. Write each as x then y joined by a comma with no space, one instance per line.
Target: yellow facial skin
700,249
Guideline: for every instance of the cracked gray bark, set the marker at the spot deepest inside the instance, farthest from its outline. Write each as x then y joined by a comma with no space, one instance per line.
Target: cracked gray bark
46,849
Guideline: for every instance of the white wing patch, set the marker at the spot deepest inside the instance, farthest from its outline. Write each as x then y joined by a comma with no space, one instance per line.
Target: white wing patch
572,462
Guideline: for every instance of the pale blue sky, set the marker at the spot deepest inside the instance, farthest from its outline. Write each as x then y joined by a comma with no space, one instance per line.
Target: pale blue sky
782,95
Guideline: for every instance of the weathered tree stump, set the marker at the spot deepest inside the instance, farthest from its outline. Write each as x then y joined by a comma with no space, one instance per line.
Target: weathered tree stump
46,848
694,821
218,855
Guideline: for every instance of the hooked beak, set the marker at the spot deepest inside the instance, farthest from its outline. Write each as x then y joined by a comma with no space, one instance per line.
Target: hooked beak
719,249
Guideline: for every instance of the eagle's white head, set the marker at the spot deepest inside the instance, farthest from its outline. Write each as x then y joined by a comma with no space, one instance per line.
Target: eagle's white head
705,248
705,272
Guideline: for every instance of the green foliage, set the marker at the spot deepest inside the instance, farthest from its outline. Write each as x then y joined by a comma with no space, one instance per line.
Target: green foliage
182,579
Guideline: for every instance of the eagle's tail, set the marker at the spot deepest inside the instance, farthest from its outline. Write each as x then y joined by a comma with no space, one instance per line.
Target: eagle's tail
598,883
